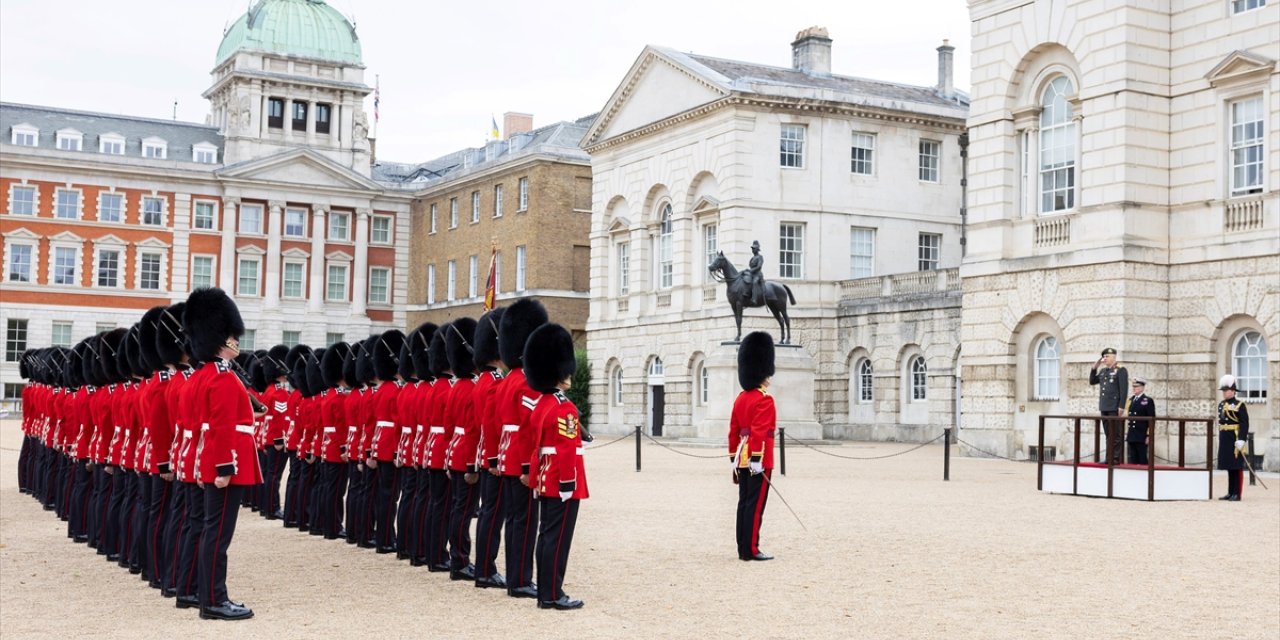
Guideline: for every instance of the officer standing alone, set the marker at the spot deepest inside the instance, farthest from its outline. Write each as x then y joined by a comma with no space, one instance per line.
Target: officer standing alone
1233,432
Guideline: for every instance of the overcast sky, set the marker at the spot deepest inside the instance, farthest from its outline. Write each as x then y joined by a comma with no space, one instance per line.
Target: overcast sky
447,67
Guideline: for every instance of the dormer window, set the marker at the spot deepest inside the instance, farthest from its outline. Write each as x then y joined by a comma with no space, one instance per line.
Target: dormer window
112,143
24,135
70,140
155,148
204,153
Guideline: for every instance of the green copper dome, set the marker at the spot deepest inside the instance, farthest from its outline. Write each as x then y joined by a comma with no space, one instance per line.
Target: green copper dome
308,28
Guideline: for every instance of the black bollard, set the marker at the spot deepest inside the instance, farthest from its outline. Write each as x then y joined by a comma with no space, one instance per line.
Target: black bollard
637,449
1253,479
782,449
946,455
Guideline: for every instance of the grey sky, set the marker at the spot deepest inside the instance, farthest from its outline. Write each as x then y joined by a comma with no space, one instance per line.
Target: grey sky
447,67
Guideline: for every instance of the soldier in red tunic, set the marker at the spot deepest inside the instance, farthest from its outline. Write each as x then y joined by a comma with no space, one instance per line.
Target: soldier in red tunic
386,437
751,433
160,433
333,472
418,346
489,518
436,522
227,460
277,400
559,478
460,457
296,363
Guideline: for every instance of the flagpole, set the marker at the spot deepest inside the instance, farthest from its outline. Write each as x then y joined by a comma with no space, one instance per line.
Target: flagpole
377,95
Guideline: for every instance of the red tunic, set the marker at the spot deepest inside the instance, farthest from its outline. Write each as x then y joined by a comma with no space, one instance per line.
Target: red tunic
104,424
226,437
192,423
464,431
515,402
438,432
277,401
334,418
752,426
407,420
364,408
293,430
386,421
159,425
557,455
483,401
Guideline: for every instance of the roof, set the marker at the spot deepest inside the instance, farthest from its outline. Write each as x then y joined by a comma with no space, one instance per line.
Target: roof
307,28
180,136
558,139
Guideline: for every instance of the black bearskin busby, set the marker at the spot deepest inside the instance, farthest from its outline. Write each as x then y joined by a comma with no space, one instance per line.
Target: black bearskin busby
24,368
518,321
257,377
436,354
332,362
296,361
210,318
148,328
109,355
72,370
273,365
548,357
485,341
457,345
386,352
170,342
755,360
364,362
89,366
349,366
315,377
419,347
404,360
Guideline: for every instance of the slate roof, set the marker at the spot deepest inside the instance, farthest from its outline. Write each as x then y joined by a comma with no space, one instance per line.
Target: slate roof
180,136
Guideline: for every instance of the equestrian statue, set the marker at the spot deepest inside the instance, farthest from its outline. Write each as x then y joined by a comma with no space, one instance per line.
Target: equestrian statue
748,288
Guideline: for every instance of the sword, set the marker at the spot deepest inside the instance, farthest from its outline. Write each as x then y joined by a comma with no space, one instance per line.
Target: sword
786,504
1251,471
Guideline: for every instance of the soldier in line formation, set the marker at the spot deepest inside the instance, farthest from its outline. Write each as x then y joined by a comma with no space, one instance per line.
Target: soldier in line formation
147,441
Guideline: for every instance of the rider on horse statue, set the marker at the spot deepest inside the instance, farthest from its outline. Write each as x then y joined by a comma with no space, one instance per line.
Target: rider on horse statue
753,275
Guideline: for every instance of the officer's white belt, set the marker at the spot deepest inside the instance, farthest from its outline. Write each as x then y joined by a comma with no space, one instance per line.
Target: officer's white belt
384,423
437,429
186,433
406,429
546,451
330,429
459,430
245,428
510,428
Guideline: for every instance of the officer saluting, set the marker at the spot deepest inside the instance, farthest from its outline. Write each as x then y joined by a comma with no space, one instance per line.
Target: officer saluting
1112,381
1233,432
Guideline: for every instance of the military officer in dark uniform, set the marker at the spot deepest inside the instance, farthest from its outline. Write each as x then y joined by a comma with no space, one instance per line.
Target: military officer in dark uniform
754,275
1112,381
1137,437
1233,432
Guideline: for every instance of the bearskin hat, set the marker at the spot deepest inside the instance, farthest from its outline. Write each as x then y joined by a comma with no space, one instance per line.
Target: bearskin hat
257,377
404,360
386,353
436,353
364,362
89,362
148,328
485,341
755,360
210,318
124,360
170,342
24,368
457,345
295,360
273,365
109,354
72,370
548,357
349,365
419,347
332,363
315,376
133,352
518,321
1227,381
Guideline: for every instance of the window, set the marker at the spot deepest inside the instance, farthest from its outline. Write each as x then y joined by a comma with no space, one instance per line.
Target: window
862,154
624,268
453,213
522,268
201,272
251,218
67,204
666,270
20,261
919,379
323,117
450,282
704,382
1240,6
1247,118
154,148
791,144
865,385
292,279
473,280
1249,362
275,113
70,140
862,252
22,201
524,195
295,222
204,153
791,250
930,153
104,326
205,215
615,383
153,211
431,284
497,201
710,243
111,143
149,271
25,136
65,262
290,338
497,272
929,250
108,268
1048,369
336,283
338,226
110,207
249,340
61,334
331,338
15,339
433,218
13,390
299,116
247,279
380,230
1057,148
475,207
379,285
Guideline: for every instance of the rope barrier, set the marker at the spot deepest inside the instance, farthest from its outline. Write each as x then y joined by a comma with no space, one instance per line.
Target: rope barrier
989,454
836,455
673,450
595,446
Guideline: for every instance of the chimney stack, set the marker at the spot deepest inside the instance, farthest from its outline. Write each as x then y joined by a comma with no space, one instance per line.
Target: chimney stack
811,52
515,123
946,65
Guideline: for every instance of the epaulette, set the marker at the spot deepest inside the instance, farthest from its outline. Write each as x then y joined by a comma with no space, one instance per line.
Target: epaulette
223,366
400,384
497,374
560,397
762,391
187,373
165,375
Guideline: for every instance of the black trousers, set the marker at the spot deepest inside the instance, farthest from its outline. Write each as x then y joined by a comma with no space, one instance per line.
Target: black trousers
81,487
68,482
404,512
752,496
274,469
221,508
1235,481
555,537
291,489
111,524
189,547
99,499
521,522
1115,446
135,519
24,464
355,488
174,526
333,489
437,521
462,509
384,505
488,525
314,503
1137,453
157,521
418,515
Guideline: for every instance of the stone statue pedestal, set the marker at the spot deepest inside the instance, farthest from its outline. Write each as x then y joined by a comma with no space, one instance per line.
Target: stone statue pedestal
792,389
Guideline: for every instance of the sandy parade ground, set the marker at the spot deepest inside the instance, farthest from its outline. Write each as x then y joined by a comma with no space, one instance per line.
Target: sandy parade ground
891,551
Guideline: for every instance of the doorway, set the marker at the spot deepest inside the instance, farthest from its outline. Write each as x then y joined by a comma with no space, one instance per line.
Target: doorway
657,397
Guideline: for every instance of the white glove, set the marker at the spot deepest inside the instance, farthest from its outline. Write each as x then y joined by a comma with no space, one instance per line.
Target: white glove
1239,445
756,468
565,495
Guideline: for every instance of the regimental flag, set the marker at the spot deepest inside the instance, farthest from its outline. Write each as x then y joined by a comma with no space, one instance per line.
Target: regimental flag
490,285
493,131
377,97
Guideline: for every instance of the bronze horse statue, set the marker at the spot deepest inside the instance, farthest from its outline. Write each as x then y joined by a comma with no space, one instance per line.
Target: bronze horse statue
738,294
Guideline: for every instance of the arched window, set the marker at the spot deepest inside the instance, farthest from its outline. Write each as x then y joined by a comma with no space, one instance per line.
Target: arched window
655,368
616,384
864,380
1057,148
1249,362
664,248
704,377
1048,369
919,379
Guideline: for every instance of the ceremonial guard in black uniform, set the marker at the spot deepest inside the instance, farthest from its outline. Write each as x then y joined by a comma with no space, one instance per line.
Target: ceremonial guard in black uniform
1233,433
1112,381
1139,404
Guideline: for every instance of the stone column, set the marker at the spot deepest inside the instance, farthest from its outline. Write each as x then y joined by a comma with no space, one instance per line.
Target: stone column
227,256
315,292
272,279
287,123
180,255
360,271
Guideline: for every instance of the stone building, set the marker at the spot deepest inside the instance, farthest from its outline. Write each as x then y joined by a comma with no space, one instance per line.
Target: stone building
104,216
522,203
1125,161
852,187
